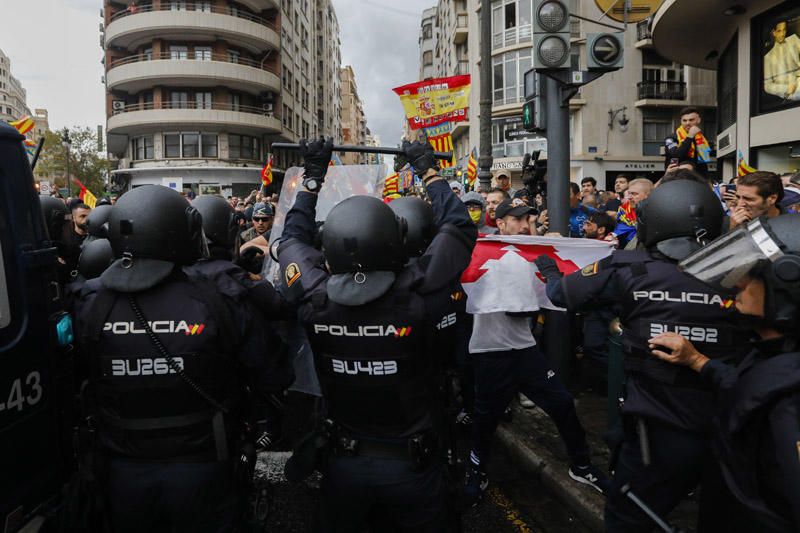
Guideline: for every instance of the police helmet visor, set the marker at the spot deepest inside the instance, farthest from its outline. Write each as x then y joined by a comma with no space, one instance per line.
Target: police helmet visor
726,260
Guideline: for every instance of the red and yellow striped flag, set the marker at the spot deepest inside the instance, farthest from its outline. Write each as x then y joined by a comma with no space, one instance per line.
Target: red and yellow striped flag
24,124
742,168
266,173
85,194
443,143
391,185
472,169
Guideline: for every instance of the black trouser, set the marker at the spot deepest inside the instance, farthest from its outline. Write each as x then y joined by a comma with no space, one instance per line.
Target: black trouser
466,373
353,488
498,378
680,460
173,497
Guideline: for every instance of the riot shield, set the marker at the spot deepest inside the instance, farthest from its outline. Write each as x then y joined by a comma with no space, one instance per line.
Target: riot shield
341,181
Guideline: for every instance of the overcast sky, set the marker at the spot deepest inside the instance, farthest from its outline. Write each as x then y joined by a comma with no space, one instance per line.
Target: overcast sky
55,52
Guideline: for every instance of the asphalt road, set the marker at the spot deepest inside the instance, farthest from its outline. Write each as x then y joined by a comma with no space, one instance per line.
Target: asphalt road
512,504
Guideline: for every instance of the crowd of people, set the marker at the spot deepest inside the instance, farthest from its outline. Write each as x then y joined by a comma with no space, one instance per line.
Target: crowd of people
384,318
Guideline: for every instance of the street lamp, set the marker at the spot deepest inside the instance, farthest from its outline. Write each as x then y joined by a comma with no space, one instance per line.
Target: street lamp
623,120
66,142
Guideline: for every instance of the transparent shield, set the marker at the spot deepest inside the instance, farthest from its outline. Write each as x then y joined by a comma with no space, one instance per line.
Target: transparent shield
341,181
724,261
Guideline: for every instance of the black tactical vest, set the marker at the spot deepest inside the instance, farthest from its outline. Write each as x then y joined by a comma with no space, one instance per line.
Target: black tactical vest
143,408
374,364
656,297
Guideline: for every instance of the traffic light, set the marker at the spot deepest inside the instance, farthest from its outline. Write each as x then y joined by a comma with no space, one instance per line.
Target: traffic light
528,111
605,51
551,34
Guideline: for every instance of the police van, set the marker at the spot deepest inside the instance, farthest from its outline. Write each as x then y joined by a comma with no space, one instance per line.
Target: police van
35,388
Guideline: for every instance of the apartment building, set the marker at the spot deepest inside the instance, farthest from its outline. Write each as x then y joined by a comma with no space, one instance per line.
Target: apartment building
373,140
646,95
13,97
354,122
197,91
428,37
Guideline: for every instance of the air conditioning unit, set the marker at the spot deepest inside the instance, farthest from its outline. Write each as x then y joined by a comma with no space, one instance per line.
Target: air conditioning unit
117,105
268,107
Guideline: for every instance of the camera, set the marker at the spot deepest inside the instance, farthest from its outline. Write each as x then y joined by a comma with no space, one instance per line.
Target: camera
533,174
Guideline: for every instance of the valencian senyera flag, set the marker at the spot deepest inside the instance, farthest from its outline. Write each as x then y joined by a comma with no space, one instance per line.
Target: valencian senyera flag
742,168
85,194
436,101
24,124
441,139
472,168
266,173
503,277
700,149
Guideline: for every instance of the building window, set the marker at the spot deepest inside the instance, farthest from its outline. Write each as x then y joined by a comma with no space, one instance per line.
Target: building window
235,100
657,125
177,5
243,147
147,54
427,58
142,147
727,84
508,73
511,22
190,144
202,53
203,100
172,145
233,56
203,5
178,52
179,99
208,142
427,31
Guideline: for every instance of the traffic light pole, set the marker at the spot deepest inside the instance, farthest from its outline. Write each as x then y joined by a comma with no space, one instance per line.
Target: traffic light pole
485,159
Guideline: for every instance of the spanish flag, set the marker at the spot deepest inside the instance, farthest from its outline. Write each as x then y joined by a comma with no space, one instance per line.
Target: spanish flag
472,169
85,194
266,173
443,143
742,168
24,124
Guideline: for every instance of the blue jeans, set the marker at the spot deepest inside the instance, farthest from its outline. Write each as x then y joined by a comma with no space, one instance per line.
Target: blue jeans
499,376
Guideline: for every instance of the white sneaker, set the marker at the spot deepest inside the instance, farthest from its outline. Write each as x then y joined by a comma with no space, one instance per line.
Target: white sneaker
525,402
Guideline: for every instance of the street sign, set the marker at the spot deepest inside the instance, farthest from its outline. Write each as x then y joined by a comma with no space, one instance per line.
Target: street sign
44,188
605,51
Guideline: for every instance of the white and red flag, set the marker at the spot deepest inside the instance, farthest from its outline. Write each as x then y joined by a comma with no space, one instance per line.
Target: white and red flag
503,277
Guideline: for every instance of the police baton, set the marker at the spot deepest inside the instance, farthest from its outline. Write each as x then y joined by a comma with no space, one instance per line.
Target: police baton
660,522
447,156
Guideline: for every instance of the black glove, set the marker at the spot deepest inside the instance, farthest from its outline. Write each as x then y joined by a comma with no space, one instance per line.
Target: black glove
548,267
316,157
251,259
420,155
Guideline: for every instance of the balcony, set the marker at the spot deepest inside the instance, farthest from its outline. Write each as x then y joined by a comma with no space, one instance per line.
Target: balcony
512,36
462,68
644,38
131,29
661,93
460,29
142,71
153,116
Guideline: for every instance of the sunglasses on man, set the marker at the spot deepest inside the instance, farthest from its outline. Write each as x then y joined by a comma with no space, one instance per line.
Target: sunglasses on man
262,219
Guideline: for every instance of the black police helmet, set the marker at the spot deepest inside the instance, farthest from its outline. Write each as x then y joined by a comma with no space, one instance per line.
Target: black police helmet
96,257
219,220
419,218
782,276
97,221
678,218
151,228
363,234
55,216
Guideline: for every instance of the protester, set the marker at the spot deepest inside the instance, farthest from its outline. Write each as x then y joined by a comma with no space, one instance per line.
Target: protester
506,361
457,187
578,213
758,194
620,186
588,187
477,212
493,199
600,226
638,190
503,181
693,147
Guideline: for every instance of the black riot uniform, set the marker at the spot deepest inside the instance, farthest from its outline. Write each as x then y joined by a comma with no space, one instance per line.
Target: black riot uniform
373,323
167,360
667,409
758,423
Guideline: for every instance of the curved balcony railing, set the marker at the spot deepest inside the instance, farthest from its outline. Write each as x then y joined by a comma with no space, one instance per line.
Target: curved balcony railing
171,56
196,8
192,104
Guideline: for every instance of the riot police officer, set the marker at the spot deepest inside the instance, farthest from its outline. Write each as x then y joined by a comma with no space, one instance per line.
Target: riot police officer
667,412
97,223
759,400
372,321
167,359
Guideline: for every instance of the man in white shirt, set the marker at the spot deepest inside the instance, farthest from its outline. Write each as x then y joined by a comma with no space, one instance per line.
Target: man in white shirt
782,64
506,361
